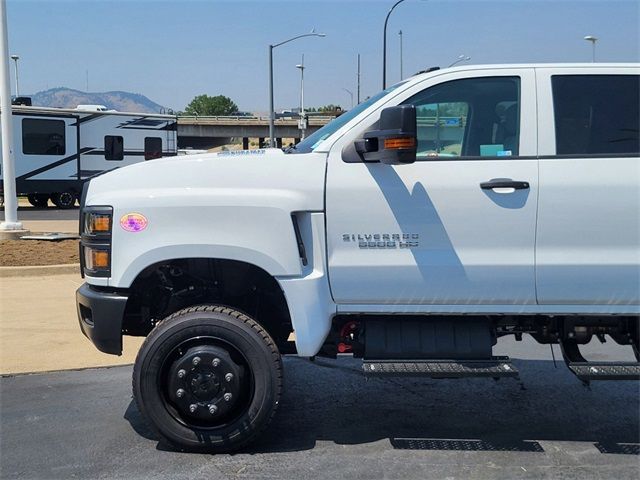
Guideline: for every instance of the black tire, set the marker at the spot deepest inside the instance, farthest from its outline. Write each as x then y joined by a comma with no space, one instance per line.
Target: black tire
64,200
38,200
165,365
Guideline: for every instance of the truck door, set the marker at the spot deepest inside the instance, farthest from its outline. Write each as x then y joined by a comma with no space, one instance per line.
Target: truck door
588,240
440,230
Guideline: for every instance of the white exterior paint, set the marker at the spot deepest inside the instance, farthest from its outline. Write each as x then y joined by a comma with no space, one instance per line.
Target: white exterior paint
568,244
475,246
215,206
588,247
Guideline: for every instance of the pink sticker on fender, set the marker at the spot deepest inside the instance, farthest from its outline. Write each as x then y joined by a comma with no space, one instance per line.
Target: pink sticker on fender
133,222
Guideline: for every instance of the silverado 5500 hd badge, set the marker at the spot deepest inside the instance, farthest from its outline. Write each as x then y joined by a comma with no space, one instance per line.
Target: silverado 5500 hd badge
383,240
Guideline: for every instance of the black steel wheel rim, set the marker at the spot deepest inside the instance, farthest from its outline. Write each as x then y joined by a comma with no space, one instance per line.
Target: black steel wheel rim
66,199
205,382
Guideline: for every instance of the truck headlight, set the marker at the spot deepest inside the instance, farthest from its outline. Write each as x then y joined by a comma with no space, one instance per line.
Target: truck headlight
96,258
95,223
95,240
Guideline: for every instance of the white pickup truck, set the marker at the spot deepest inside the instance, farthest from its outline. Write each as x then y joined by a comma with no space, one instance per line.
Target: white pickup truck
456,207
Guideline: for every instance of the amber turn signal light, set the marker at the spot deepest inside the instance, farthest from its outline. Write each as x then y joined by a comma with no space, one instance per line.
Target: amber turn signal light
100,258
398,143
97,223
96,259
100,223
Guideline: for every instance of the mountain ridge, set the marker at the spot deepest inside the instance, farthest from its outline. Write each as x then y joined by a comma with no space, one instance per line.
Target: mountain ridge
63,97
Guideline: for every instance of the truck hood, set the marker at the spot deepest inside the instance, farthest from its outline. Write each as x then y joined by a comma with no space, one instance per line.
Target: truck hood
294,182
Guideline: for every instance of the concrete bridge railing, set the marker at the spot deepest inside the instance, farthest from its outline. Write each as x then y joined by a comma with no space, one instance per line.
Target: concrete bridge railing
206,132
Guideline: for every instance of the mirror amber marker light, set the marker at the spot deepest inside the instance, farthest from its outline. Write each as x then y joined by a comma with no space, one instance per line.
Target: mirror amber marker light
398,143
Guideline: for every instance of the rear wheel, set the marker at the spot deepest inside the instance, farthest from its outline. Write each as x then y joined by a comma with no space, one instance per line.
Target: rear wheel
208,378
39,200
64,200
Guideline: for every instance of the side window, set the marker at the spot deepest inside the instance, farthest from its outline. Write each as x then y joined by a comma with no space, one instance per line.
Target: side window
43,137
596,114
441,128
475,117
152,148
113,147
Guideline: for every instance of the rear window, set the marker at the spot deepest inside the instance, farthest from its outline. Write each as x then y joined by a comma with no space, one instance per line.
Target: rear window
43,137
596,114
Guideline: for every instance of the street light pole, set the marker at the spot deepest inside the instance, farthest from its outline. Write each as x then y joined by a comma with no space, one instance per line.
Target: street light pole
384,45
358,79
272,113
8,171
461,58
593,40
302,114
15,58
401,75
350,94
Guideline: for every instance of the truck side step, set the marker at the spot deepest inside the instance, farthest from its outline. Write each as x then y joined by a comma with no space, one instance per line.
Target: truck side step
587,371
495,367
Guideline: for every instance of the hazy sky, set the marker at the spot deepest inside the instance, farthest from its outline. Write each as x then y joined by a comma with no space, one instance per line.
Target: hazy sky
171,51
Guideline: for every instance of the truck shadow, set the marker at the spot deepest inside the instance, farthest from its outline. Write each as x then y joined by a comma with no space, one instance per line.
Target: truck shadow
330,400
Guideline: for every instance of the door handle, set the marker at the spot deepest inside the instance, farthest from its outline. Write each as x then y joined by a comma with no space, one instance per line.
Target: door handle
498,183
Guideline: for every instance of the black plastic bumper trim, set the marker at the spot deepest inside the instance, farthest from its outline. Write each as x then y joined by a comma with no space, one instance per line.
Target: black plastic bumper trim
100,314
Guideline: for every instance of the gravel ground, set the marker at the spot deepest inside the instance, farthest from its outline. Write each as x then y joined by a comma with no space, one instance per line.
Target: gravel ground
20,253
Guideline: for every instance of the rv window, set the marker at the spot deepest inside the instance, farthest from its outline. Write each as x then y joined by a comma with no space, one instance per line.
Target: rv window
152,148
113,147
43,137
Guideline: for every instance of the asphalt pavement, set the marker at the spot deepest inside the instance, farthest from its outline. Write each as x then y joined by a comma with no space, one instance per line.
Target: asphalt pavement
26,213
334,423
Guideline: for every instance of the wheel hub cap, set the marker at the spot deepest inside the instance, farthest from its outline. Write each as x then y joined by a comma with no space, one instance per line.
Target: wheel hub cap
205,383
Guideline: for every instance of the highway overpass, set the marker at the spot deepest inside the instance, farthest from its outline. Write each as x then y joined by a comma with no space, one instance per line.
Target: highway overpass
209,132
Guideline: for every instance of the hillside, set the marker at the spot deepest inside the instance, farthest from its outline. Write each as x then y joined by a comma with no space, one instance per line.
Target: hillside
122,101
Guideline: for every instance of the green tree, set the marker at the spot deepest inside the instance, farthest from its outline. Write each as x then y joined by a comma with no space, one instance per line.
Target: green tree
330,108
205,105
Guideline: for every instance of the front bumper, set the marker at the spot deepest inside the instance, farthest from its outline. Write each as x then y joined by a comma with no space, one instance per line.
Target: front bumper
100,314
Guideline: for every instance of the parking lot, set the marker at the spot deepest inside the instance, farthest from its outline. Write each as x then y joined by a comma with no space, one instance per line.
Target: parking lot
334,423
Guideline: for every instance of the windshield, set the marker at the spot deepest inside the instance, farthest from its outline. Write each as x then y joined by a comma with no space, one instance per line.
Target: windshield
310,143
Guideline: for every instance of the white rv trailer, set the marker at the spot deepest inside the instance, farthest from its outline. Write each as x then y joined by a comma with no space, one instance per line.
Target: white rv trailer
57,150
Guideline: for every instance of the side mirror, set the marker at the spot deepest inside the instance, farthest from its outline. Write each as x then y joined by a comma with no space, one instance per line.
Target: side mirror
395,142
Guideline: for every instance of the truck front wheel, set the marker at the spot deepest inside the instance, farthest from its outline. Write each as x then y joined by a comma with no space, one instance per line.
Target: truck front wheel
208,378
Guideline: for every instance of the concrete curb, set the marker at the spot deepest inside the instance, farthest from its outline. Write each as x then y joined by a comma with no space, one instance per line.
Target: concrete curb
13,234
39,270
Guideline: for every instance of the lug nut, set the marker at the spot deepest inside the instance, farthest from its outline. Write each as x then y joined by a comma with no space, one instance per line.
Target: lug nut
195,361
193,407
228,377
215,362
180,393
181,373
213,409
227,397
